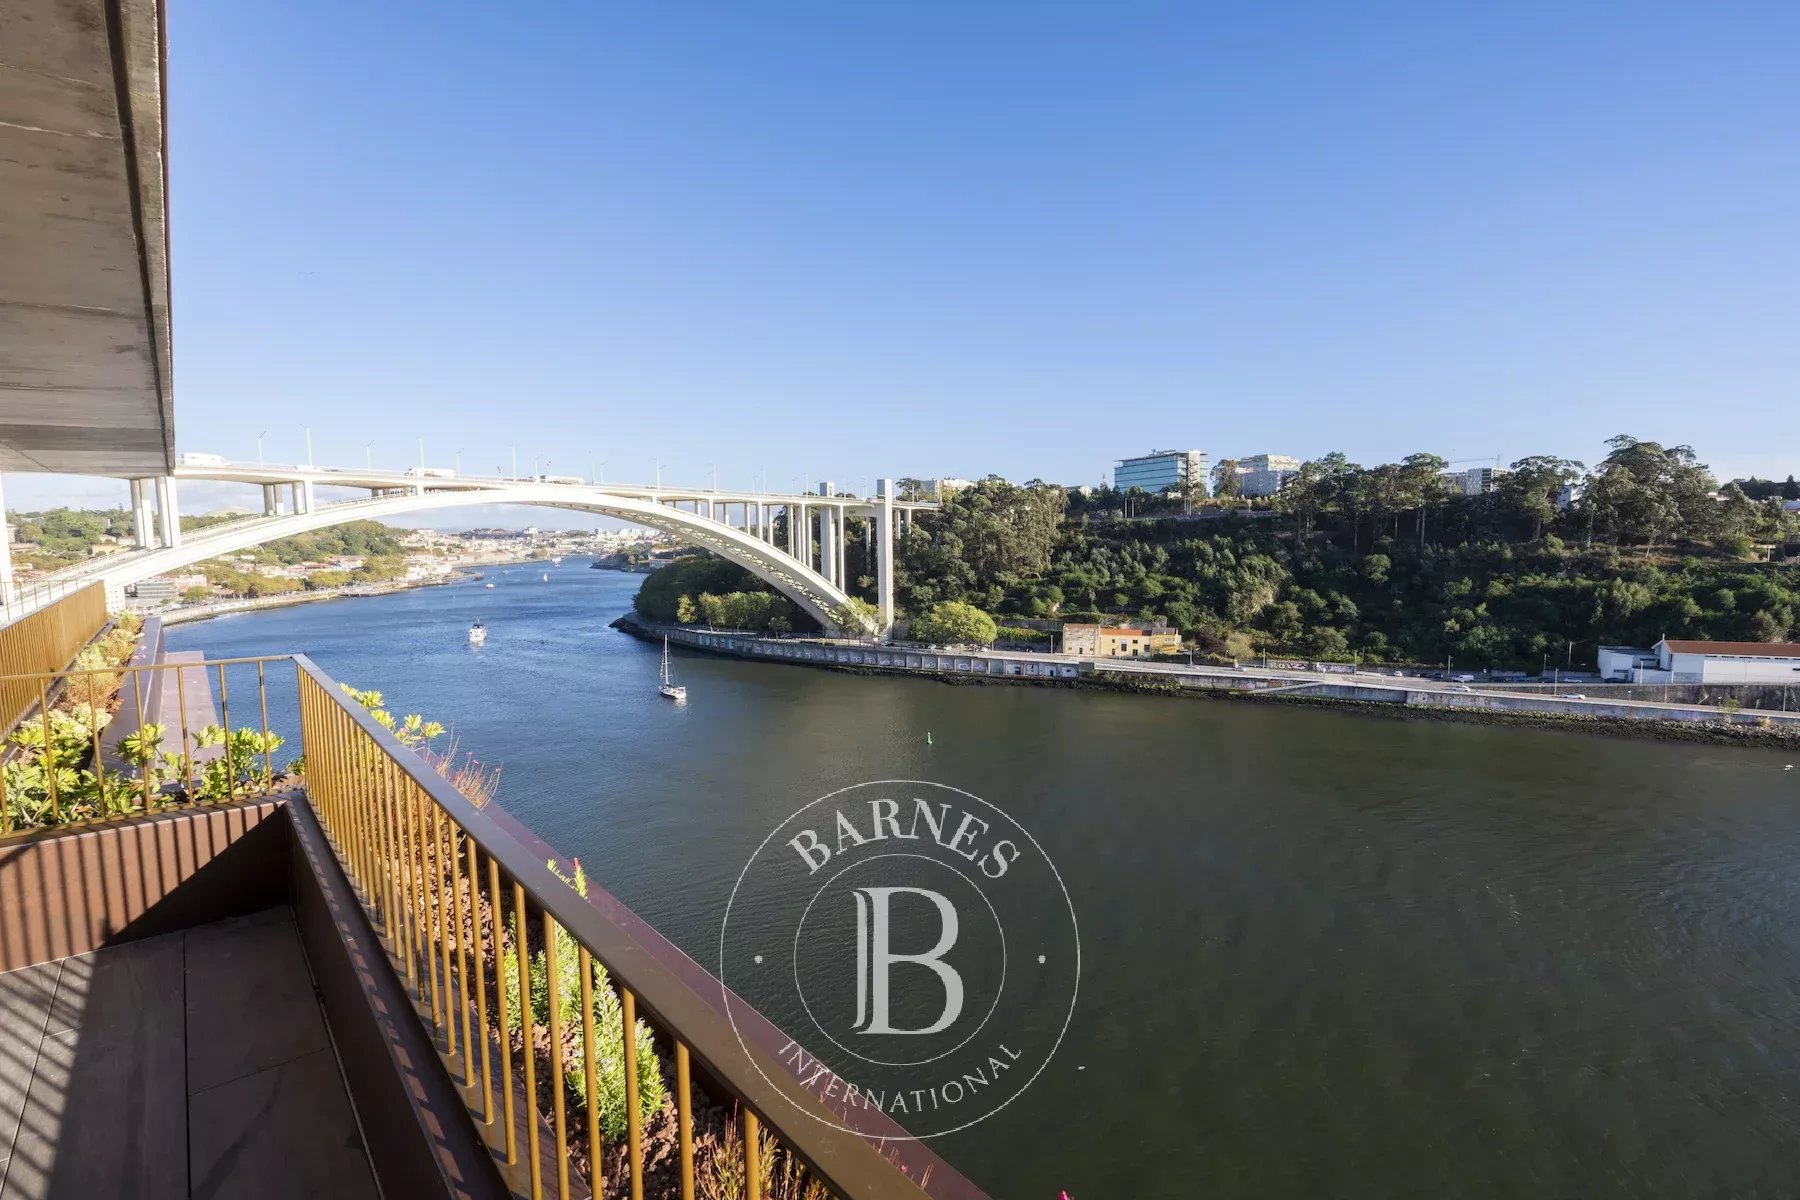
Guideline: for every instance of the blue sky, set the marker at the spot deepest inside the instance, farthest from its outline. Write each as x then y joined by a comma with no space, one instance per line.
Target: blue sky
844,240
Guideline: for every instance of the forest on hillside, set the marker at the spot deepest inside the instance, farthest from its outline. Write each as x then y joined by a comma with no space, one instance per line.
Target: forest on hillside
1390,563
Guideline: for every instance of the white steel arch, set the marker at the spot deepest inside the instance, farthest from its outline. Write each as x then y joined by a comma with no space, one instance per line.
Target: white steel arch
816,596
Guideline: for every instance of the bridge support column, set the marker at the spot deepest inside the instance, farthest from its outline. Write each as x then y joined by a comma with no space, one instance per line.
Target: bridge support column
843,536
827,545
168,514
884,556
143,532
827,535
306,495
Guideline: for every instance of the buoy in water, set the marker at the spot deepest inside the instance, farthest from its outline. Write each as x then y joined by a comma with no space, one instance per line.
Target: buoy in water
928,737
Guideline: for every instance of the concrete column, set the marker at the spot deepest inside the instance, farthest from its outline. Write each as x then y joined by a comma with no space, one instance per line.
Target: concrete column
306,495
8,593
765,528
843,536
168,513
827,551
143,534
884,559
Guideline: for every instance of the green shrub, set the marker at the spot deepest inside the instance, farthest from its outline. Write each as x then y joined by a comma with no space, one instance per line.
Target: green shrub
609,1029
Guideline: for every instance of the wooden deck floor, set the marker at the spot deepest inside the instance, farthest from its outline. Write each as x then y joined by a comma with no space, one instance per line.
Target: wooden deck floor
195,1064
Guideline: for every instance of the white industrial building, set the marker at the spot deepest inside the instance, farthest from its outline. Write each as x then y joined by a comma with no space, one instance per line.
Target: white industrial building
1702,662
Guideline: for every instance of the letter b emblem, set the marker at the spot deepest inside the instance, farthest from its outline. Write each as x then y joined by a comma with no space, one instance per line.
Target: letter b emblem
874,959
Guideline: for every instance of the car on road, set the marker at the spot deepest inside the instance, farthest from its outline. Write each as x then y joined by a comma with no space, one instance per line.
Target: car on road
1576,696
1462,687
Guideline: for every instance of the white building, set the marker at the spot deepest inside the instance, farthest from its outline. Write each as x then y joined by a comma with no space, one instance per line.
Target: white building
1475,481
1702,662
1263,474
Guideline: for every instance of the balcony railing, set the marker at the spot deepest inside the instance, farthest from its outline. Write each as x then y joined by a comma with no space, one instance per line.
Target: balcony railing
45,642
468,913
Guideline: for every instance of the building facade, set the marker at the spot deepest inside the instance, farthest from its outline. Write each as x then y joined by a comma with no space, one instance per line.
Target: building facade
1702,662
1263,474
1476,481
1161,471
1120,641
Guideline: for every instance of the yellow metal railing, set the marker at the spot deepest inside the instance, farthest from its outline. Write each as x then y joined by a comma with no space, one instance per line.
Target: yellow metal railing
467,912
118,740
45,641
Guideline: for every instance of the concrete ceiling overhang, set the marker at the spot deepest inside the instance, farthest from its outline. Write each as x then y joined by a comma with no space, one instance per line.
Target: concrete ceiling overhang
84,275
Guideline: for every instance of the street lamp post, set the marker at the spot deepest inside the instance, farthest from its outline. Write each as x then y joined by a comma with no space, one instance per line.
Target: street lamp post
369,456
458,467
515,460
659,467
259,438
421,454
309,457
600,470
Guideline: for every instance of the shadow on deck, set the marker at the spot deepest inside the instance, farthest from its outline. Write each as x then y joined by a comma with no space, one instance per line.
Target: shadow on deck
194,1063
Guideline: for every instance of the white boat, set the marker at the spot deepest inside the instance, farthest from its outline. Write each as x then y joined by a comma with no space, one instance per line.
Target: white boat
478,632
546,577
490,587
556,560
669,687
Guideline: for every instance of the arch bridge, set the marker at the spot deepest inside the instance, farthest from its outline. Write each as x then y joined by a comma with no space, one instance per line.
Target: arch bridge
808,565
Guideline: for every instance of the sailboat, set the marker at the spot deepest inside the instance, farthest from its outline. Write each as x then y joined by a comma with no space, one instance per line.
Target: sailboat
669,687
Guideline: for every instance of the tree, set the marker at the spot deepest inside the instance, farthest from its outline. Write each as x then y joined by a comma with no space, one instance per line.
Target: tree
991,534
1226,482
1534,485
1643,491
196,594
856,617
956,623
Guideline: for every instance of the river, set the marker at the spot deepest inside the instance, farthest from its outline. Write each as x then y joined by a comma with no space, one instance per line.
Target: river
1323,953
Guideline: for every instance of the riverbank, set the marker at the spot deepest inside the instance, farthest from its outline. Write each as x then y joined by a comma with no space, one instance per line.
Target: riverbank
1632,718
223,608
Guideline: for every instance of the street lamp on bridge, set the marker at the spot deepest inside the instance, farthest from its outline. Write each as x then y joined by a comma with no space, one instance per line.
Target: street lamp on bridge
369,456
459,450
659,467
259,438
